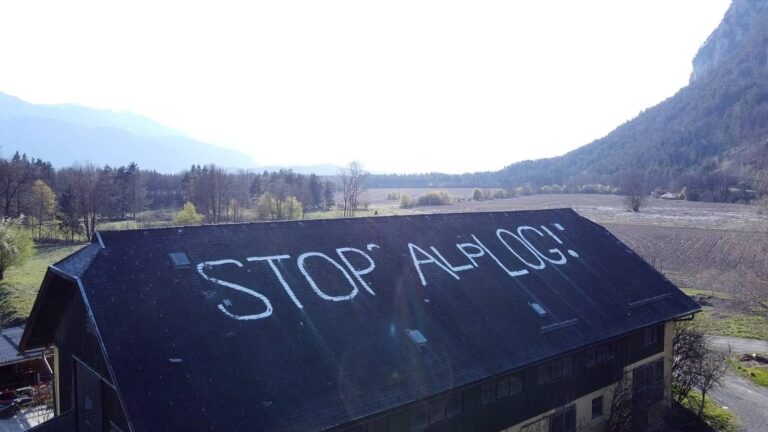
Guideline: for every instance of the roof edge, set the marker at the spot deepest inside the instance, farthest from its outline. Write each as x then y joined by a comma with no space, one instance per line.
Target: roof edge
104,352
35,312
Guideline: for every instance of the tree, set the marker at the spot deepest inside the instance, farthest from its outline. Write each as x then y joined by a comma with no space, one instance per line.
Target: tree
632,186
69,219
266,207
620,411
688,345
137,194
293,208
329,195
91,187
15,245
477,195
315,192
352,184
406,201
188,215
696,364
712,367
43,204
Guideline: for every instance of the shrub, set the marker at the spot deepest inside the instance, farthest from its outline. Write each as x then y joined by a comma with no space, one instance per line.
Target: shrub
15,245
188,215
435,198
406,201
499,194
477,195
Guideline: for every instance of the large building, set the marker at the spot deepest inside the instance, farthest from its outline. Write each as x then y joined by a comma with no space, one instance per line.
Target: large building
518,321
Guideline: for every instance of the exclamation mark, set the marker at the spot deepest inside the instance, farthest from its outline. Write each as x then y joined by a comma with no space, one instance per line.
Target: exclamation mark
571,252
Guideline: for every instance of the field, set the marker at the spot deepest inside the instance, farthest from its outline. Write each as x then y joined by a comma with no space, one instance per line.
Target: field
19,287
717,252
706,246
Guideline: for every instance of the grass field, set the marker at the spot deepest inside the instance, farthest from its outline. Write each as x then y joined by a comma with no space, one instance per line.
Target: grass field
19,287
717,417
756,374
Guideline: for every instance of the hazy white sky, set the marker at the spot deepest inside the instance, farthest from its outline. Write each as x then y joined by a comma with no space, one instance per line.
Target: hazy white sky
403,86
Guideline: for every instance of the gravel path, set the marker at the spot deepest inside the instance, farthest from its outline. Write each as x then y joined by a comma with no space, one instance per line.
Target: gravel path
745,399
739,345
742,397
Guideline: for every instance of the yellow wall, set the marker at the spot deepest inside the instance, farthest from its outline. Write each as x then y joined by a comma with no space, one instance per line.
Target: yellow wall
56,388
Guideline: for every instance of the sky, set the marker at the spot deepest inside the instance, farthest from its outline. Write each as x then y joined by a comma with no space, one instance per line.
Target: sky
401,86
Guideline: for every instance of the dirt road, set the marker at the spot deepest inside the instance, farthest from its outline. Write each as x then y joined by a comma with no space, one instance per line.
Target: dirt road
745,399
739,345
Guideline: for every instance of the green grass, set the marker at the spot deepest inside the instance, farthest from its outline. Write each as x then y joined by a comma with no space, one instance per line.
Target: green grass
717,417
19,287
757,375
730,323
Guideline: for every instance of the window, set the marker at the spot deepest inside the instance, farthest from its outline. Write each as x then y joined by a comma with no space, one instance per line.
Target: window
652,335
564,421
435,411
648,383
500,388
556,369
601,354
597,407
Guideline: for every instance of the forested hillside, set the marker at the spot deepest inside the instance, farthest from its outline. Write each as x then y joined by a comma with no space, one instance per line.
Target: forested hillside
711,137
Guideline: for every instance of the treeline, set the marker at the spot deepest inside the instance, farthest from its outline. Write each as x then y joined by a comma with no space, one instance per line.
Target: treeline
68,203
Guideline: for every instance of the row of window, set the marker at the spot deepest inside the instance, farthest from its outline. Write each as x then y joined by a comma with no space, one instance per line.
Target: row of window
648,387
601,354
435,411
556,369
564,420
506,386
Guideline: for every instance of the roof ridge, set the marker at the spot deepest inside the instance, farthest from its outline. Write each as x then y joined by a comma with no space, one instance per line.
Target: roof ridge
333,220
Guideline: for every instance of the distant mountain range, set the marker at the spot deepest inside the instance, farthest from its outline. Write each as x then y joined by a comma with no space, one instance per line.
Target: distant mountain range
65,134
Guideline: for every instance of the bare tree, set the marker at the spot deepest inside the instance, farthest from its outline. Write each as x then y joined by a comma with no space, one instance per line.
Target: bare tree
620,412
712,368
696,364
91,186
688,345
352,184
632,186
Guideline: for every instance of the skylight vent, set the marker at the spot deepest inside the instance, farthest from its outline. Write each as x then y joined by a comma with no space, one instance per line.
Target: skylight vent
417,337
540,311
559,325
180,260
649,300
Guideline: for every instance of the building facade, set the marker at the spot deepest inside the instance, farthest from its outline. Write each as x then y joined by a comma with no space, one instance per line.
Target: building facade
516,321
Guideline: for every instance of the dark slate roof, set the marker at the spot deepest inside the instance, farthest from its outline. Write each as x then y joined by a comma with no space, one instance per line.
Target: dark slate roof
9,346
75,264
225,346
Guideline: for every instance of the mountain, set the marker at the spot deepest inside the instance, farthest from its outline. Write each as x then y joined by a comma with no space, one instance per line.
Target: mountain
65,134
711,135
